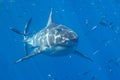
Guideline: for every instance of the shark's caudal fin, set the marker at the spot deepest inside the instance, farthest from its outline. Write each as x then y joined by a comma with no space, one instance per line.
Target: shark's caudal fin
25,33
82,55
49,19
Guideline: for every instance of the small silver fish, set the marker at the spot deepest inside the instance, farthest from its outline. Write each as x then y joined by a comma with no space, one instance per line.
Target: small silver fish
53,40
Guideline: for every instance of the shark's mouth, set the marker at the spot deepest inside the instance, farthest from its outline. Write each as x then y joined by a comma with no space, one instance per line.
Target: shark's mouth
69,43
74,40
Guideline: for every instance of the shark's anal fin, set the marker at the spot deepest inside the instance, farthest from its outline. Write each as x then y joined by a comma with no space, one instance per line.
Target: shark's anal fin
82,55
34,53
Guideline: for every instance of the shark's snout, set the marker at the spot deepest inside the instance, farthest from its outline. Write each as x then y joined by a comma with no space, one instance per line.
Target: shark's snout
73,37
72,40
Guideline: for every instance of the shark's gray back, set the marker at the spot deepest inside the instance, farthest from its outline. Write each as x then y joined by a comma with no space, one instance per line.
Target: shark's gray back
51,36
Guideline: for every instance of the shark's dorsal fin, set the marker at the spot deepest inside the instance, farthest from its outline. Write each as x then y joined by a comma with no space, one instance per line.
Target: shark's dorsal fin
49,19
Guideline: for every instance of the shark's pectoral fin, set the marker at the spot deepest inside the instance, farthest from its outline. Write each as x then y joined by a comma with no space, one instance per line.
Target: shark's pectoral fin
34,53
82,55
24,58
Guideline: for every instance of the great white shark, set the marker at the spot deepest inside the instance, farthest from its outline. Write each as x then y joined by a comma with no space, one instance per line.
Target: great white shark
53,40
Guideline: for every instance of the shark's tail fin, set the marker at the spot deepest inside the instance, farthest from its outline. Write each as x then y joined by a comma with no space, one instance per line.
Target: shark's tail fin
83,56
27,28
24,34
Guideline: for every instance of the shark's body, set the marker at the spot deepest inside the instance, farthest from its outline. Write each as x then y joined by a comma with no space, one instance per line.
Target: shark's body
53,40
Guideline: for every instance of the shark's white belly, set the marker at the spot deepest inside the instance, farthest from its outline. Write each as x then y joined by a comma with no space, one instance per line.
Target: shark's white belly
58,51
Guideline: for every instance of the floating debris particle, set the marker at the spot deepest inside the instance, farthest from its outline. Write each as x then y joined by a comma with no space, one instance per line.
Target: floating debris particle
106,23
86,22
94,53
109,24
51,77
117,30
62,10
93,28
103,23
70,56
115,61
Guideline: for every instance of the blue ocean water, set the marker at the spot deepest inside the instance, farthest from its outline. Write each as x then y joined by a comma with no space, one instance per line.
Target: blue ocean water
97,22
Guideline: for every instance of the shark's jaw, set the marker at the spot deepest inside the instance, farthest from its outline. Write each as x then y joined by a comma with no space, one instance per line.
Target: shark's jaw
58,51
